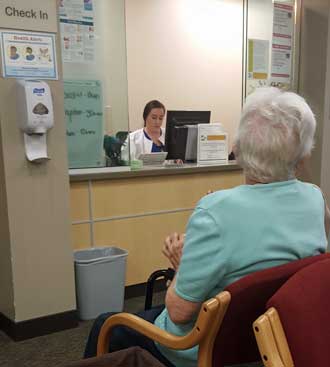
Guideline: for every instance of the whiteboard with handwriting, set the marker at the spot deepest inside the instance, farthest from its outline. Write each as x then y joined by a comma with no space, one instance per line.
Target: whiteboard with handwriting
84,123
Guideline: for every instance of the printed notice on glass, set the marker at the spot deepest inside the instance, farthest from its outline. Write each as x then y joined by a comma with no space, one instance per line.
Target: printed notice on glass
258,59
282,42
212,144
28,55
77,31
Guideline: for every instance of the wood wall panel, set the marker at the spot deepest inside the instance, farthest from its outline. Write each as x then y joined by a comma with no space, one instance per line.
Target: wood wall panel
80,236
143,239
144,199
79,202
152,194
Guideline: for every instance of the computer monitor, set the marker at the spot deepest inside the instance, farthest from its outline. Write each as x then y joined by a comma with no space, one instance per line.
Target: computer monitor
181,133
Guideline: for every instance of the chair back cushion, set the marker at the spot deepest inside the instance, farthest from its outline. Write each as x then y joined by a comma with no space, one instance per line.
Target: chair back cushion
235,342
303,304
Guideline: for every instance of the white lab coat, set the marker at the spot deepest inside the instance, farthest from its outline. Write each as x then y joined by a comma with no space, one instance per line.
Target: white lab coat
138,144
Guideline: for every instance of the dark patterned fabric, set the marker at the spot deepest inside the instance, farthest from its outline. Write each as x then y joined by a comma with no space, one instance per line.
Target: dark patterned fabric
131,357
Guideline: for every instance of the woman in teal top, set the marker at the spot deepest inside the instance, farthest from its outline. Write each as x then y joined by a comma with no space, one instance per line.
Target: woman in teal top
271,220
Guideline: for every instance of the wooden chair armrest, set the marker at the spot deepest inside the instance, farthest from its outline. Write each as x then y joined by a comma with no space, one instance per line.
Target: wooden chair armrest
266,342
280,338
204,324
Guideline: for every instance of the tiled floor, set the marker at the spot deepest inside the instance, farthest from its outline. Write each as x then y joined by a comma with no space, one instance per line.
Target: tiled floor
56,349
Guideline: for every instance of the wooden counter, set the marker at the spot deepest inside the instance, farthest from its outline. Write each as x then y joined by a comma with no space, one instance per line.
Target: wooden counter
135,210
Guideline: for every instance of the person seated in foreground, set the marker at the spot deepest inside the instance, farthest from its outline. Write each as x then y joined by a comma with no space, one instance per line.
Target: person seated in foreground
271,220
149,139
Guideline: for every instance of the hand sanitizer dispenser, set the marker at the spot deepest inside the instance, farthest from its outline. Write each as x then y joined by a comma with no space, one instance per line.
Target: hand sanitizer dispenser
34,116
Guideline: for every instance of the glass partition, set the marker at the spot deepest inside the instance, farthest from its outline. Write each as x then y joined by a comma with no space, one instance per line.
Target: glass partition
95,80
270,44
202,55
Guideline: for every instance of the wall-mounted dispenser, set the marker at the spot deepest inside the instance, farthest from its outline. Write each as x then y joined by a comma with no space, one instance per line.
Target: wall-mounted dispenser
34,116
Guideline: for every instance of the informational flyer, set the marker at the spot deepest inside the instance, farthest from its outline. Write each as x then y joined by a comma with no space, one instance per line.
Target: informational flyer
77,31
258,59
28,55
282,42
212,144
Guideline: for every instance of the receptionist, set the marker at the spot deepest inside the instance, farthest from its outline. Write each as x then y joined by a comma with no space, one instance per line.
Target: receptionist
149,139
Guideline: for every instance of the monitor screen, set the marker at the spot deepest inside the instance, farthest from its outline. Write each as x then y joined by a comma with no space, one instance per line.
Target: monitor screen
181,133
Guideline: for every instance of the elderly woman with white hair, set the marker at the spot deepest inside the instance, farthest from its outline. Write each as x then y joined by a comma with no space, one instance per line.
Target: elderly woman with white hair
272,219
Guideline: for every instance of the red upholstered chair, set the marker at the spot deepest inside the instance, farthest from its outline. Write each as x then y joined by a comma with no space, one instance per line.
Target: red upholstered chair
295,331
233,341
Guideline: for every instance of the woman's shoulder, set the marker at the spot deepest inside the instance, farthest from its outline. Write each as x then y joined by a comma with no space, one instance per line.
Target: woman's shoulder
217,197
310,187
136,133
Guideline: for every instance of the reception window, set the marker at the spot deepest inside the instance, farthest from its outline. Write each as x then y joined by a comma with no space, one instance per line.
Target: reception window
201,55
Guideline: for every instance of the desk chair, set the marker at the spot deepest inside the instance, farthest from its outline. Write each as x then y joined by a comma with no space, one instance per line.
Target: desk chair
112,147
122,136
224,338
295,330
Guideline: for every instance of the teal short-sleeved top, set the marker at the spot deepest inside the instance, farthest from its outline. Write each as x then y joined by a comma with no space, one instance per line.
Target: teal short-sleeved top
234,232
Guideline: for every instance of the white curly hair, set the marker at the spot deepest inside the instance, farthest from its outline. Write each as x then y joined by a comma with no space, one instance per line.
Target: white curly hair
276,132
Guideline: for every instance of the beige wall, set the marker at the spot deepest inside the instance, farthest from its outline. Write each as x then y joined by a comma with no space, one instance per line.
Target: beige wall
37,260
312,76
187,54
6,273
325,172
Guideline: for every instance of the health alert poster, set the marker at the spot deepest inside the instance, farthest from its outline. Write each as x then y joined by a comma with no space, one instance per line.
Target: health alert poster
28,55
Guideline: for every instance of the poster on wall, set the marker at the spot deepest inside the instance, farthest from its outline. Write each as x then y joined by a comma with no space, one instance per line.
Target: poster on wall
84,123
77,31
258,59
282,42
28,55
258,64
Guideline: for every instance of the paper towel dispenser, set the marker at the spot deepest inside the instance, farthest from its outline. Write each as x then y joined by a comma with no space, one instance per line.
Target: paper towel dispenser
34,106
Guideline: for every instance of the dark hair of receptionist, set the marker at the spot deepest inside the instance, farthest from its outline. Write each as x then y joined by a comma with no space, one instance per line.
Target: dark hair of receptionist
149,106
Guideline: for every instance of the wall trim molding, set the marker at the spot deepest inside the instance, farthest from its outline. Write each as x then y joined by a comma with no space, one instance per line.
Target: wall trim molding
132,216
45,325
23,330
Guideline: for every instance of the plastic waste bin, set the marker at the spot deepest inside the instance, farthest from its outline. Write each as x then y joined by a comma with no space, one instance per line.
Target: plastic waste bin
100,280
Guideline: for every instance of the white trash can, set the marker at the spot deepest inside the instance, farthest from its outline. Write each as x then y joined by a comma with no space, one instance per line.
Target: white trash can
100,280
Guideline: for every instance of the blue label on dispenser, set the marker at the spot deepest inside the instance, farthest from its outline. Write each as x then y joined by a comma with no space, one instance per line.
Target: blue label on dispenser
39,91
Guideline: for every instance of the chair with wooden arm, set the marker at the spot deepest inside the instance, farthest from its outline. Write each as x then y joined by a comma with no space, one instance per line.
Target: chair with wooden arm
224,338
203,334
295,330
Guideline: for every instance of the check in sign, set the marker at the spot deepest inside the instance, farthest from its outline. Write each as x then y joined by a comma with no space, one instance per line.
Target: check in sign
32,15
